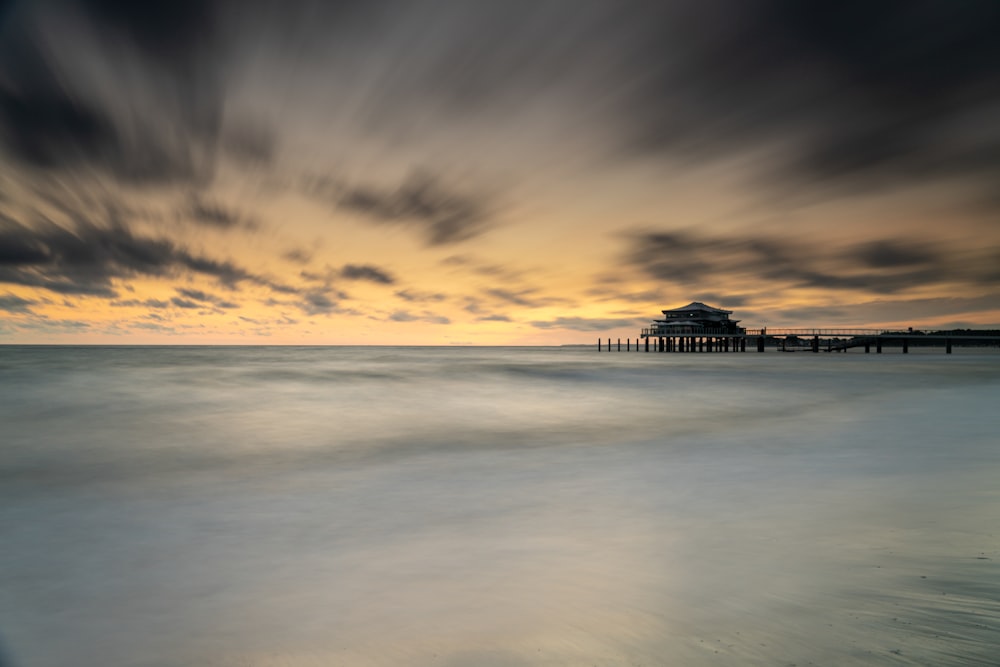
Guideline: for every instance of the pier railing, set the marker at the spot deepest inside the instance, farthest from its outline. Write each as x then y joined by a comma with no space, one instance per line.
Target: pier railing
783,332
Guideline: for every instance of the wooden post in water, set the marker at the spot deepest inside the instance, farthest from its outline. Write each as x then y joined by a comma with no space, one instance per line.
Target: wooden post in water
868,348
815,345
878,346
619,344
947,346
760,343
598,344
743,344
647,343
661,343
906,346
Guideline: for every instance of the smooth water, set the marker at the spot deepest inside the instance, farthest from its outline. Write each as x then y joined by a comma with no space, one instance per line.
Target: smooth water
174,506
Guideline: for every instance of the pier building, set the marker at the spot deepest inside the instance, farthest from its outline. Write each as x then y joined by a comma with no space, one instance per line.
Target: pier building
698,327
696,317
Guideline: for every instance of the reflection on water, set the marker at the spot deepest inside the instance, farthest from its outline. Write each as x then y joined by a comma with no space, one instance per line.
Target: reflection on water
371,506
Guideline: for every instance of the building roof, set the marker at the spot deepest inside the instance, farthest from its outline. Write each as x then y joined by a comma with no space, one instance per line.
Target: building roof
698,305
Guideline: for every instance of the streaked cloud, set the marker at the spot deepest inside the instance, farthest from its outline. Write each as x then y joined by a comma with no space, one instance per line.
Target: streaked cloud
443,215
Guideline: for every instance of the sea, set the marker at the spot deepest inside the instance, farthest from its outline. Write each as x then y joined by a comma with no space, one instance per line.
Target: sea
453,506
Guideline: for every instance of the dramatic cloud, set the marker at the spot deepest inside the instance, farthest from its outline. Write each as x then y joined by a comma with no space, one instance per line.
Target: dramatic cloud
904,310
445,216
213,214
129,89
857,93
883,266
89,258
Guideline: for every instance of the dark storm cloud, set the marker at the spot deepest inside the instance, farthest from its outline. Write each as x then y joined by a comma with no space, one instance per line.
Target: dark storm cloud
128,89
884,266
88,258
443,214
846,95
851,93
855,94
883,254
367,272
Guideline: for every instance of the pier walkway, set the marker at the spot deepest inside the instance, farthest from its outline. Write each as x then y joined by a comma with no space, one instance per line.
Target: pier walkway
690,339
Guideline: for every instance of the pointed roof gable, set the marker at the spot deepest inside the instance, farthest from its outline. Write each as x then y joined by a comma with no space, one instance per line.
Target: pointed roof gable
698,305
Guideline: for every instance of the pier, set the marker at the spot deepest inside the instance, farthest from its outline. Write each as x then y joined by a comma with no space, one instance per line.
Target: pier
697,327
798,340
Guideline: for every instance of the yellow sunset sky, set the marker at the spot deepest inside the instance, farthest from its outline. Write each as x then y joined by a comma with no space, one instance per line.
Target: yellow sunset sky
490,173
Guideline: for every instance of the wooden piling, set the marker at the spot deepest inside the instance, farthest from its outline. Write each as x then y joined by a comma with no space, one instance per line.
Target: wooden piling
906,346
647,343
815,344
947,346
619,344
878,346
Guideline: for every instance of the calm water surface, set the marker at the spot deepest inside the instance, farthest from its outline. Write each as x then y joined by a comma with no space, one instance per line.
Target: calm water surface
496,506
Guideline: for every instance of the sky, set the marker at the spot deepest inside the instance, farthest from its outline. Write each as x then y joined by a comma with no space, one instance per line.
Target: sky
483,173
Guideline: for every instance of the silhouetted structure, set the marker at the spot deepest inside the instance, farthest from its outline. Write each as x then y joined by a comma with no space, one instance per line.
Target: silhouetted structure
696,317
